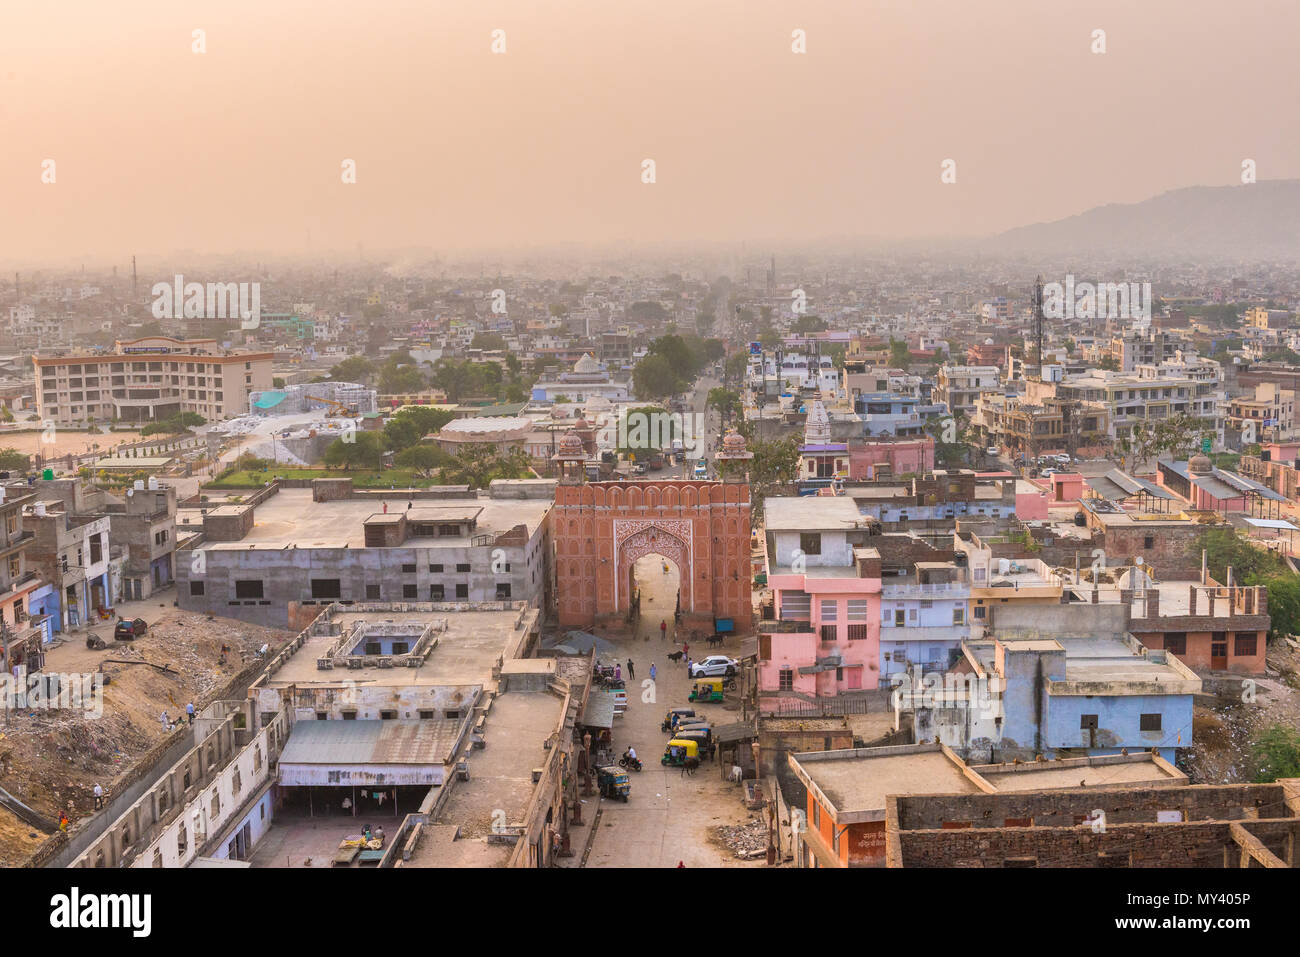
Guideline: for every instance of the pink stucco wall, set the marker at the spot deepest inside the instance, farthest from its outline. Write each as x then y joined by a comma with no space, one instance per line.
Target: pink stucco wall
902,457
797,650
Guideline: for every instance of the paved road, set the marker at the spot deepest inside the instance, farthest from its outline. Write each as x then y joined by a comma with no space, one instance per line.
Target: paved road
669,815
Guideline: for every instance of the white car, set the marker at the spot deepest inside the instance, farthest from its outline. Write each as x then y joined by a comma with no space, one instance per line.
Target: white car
714,666
992,450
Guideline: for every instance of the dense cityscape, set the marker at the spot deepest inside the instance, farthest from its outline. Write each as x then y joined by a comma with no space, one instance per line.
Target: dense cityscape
594,439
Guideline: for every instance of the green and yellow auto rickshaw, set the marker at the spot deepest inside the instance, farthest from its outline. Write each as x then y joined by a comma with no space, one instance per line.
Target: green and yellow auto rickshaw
679,752
707,689
613,782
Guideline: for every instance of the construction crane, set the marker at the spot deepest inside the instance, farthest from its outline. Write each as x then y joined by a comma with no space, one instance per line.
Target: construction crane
338,408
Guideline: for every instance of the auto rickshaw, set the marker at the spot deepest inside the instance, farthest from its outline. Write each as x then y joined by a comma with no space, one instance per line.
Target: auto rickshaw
707,689
703,738
613,782
679,751
674,715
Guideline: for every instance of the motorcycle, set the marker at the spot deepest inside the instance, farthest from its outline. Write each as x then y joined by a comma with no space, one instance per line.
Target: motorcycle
630,763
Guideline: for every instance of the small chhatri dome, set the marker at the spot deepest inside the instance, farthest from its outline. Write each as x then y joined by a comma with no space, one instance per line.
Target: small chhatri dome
587,365
581,424
1200,465
733,442
733,447
571,444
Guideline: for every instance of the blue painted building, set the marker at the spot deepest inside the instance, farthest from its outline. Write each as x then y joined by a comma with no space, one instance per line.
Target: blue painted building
1021,697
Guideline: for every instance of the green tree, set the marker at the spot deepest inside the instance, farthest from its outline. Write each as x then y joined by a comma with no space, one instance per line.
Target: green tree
656,377
1108,364
365,452
726,401
422,459
396,379
488,342
277,382
898,353
355,369
1275,751
809,324
11,460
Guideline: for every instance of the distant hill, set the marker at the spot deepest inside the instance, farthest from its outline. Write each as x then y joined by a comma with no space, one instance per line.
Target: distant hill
1256,221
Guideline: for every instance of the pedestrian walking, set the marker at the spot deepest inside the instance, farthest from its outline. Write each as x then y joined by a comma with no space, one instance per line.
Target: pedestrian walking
618,672
631,671
653,671
686,650
189,711
99,797
166,721
688,666
663,628
63,821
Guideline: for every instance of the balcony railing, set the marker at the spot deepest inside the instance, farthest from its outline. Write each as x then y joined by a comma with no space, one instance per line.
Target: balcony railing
917,590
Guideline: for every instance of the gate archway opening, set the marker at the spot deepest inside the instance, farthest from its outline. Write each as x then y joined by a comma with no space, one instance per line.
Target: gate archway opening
654,582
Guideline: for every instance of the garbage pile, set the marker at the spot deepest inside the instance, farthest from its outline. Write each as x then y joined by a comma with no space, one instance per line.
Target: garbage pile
746,841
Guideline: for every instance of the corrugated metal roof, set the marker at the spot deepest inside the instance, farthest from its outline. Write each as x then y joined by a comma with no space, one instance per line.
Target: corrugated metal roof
599,711
370,742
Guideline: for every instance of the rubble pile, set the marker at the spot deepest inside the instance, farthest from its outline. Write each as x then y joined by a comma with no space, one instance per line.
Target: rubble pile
748,840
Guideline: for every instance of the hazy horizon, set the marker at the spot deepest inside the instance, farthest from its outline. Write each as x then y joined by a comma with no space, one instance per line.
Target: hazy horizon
160,150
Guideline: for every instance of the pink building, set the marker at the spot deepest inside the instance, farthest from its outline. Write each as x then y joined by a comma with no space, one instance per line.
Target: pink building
824,639
890,458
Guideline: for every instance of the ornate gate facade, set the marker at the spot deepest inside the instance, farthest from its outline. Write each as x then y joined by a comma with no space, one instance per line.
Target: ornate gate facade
602,528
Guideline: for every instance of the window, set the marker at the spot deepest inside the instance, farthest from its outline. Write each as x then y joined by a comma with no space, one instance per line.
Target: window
1088,722
786,679
980,612
462,591
322,716
810,543
96,550
326,588
388,715
1149,541
196,588
503,591
856,632
856,609
408,568
372,592
349,716
464,567
830,609
426,714
248,588
1244,645
410,591
830,632
959,616
435,569
1176,642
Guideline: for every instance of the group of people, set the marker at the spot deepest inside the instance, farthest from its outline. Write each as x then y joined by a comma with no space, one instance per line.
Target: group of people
168,724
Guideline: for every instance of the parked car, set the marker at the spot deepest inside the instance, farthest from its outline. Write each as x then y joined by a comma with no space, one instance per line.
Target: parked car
992,450
714,666
129,628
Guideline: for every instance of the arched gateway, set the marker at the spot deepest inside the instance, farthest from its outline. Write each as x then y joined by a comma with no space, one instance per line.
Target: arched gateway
602,528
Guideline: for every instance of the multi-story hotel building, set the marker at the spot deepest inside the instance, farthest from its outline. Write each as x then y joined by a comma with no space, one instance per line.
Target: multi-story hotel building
143,380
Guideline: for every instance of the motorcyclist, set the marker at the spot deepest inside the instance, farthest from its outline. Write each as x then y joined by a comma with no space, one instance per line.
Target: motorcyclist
629,756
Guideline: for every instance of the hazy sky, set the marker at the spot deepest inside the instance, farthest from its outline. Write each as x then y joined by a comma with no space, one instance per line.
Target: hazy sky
158,148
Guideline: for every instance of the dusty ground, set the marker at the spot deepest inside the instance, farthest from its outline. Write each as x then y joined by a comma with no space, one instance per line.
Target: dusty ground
65,441
1223,732
51,760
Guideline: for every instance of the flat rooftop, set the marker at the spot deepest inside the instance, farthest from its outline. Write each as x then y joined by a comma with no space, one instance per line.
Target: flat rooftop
464,654
500,782
1105,659
860,781
808,512
1057,774
293,518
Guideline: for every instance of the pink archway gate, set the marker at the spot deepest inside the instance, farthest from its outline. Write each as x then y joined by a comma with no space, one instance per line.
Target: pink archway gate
634,539
601,529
